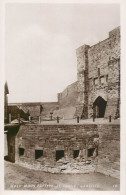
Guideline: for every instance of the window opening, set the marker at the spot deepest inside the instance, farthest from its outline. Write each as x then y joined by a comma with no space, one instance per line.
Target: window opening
75,153
21,151
38,154
90,152
98,72
59,154
106,78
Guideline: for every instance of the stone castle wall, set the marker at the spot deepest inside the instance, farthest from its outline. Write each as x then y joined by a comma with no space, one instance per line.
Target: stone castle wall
67,101
69,96
103,139
66,105
33,108
98,74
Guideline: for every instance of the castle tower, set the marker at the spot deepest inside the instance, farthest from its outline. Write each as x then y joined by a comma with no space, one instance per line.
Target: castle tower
82,77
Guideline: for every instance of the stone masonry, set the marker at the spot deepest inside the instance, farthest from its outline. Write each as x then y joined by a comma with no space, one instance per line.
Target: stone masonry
99,77
80,148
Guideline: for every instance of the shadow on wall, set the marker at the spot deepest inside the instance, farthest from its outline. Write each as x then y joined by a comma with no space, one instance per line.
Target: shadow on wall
15,111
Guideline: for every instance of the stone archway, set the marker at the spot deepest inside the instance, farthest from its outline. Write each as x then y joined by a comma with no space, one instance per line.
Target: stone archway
99,107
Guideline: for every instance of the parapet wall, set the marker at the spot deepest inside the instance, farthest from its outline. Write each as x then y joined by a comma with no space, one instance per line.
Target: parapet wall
50,138
99,144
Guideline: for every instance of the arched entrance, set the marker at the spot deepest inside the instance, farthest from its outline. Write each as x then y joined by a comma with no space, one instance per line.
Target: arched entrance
99,107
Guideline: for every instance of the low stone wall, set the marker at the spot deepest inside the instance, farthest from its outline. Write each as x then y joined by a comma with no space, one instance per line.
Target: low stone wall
69,148
66,148
109,150
52,138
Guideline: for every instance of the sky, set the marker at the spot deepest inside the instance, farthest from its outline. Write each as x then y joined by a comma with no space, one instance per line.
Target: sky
41,42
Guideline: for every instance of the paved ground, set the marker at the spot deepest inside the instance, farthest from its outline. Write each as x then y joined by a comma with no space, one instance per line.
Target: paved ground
70,121
86,121
20,178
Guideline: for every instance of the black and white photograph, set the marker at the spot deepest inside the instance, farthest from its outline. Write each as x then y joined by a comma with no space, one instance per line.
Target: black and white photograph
62,96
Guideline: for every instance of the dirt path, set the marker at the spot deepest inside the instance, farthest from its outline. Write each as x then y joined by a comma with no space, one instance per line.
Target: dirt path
20,178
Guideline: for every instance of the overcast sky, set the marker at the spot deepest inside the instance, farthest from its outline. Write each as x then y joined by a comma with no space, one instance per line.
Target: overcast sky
41,42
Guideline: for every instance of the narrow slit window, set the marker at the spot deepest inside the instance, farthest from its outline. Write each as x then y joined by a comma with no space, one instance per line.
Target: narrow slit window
106,78
98,72
21,151
93,82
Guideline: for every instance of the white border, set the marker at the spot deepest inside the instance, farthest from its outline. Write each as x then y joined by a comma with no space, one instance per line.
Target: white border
123,100
62,1
2,54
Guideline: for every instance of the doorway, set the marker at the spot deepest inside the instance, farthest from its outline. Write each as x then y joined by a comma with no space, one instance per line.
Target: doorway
99,107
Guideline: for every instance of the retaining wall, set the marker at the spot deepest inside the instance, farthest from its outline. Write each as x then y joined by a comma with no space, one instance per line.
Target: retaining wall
68,139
